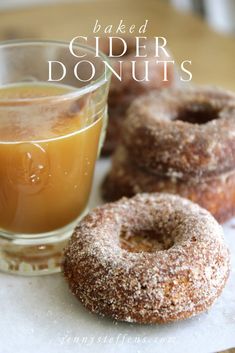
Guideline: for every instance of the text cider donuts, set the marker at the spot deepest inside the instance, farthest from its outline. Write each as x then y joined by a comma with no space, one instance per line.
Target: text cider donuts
154,258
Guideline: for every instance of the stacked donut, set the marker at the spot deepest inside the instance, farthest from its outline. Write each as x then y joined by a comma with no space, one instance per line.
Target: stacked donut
123,92
180,141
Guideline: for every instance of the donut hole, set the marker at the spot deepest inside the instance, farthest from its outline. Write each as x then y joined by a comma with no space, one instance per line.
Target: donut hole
198,113
144,241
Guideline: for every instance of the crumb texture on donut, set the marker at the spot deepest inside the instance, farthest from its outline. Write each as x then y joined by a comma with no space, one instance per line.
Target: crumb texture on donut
112,273
180,141
216,194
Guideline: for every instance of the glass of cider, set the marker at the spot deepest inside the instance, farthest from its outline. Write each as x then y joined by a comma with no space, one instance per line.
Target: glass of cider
51,132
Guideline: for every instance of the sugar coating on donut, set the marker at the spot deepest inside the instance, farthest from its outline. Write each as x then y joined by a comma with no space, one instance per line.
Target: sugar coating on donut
147,287
183,131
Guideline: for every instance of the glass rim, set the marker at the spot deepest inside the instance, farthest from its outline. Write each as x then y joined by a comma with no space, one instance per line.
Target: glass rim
77,92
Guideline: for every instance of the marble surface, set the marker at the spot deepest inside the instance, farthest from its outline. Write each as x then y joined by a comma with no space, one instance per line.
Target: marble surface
39,315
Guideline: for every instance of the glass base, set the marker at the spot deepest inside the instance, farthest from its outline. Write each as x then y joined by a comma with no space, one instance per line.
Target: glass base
32,255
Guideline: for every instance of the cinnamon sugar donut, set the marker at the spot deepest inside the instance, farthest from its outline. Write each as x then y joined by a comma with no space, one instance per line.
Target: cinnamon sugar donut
183,132
122,93
154,258
216,194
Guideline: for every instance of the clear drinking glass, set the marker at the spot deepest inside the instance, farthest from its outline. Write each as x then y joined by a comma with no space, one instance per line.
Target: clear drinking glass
50,136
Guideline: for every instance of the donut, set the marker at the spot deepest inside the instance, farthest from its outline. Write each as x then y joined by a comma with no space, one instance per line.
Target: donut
123,92
182,132
216,194
153,258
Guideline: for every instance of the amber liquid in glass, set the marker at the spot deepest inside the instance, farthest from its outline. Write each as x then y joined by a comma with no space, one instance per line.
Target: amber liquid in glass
47,157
